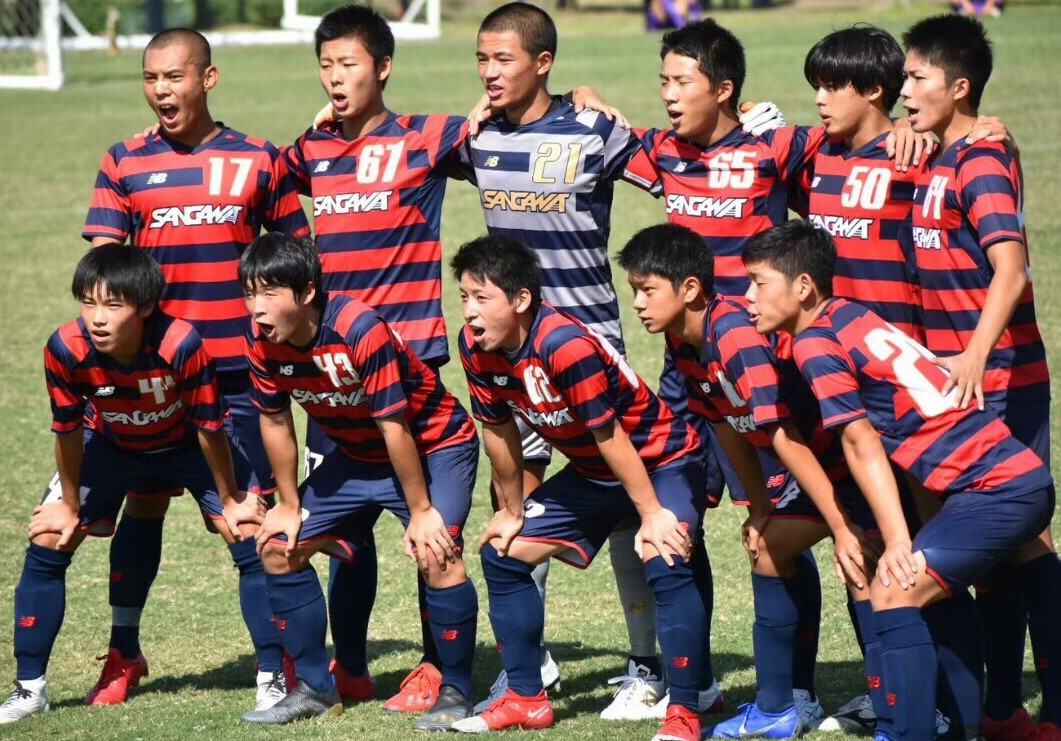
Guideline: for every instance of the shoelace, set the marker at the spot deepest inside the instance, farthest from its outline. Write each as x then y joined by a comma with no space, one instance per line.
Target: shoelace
276,684
676,720
111,670
419,677
20,693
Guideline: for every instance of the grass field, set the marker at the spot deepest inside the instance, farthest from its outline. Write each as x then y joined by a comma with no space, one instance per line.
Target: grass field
192,633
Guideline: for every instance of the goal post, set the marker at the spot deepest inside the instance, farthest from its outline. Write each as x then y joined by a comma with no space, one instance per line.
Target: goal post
31,44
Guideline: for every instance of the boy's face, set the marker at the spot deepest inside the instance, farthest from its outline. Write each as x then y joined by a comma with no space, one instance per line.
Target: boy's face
279,314
842,109
494,319
511,76
350,77
176,88
692,103
115,325
926,95
774,301
659,307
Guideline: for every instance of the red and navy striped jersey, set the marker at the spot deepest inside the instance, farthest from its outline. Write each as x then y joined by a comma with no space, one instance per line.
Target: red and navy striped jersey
356,372
196,210
862,367
377,214
967,201
726,192
750,381
863,201
566,381
156,402
550,184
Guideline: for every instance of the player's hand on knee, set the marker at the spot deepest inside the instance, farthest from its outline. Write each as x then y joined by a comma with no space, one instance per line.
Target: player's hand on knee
248,509
426,538
280,520
503,527
662,530
751,531
54,517
853,556
897,565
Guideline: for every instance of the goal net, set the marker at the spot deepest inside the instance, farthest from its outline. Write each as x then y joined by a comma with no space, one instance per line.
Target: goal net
30,53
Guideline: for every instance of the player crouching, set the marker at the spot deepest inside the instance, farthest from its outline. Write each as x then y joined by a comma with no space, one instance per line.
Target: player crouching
404,444
630,458
135,407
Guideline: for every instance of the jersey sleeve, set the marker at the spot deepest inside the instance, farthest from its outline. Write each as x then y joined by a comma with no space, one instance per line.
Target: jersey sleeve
641,169
463,167
485,406
264,393
987,187
831,374
443,136
294,157
620,145
794,149
749,364
577,369
284,210
375,360
110,212
68,406
196,379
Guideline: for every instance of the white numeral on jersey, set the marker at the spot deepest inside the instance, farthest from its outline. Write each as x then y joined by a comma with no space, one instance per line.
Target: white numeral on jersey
217,174
539,387
369,159
156,386
732,170
729,390
550,152
891,345
866,187
932,206
332,363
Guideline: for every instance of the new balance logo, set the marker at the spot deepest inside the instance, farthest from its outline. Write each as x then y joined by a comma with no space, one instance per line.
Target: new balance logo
157,178
680,662
681,166
492,161
449,634
322,166
287,370
705,387
501,380
814,183
873,682
27,621
105,391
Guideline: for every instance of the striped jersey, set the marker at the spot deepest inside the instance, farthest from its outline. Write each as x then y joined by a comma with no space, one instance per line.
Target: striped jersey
728,191
567,381
862,367
550,184
750,381
357,371
196,210
377,214
967,201
156,402
863,202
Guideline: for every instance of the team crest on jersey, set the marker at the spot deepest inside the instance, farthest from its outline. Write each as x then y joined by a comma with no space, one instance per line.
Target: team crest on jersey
840,226
707,206
157,178
201,215
352,203
522,200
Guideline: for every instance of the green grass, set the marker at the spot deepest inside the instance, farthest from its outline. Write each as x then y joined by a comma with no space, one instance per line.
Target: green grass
192,632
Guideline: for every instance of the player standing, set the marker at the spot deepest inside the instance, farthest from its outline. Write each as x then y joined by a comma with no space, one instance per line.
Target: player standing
135,407
193,194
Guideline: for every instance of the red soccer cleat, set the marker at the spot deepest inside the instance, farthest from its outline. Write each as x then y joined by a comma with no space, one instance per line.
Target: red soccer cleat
351,688
119,675
417,692
511,711
1046,731
1017,727
681,724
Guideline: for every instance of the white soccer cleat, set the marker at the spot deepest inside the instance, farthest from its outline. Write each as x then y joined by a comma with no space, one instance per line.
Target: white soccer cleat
709,701
550,681
272,688
854,716
810,709
28,698
639,692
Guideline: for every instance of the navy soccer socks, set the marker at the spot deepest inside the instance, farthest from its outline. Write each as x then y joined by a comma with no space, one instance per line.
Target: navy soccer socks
681,626
254,604
452,613
774,639
135,555
955,627
908,658
517,616
40,602
351,597
1043,579
298,604
807,591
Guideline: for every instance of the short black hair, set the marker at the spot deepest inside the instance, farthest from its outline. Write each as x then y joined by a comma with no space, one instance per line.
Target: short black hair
862,56
504,261
959,45
535,28
196,42
283,261
119,270
358,22
718,52
794,248
670,251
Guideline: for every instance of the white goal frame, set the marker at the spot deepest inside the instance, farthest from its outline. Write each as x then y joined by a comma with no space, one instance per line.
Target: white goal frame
48,46
422,20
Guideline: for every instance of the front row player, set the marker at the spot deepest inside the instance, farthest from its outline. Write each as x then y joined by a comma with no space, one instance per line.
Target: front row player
630,458
882,392
135,407
403,443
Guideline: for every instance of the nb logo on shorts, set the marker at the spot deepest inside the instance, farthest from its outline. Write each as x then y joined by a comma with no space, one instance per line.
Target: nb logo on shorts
533,509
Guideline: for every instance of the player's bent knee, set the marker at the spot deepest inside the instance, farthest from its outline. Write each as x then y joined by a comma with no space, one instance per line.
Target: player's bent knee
51,541
451,576
147,507
275,560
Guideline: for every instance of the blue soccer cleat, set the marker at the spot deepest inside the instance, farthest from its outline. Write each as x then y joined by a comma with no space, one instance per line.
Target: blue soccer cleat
752,722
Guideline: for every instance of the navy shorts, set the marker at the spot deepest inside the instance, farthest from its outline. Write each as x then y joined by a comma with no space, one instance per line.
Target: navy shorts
1028,420
244,426
792,503
569,509
342,498
108,472
718,473
974,530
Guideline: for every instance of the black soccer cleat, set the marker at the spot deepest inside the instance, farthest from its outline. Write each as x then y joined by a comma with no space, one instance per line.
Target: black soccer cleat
450,707
300,703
